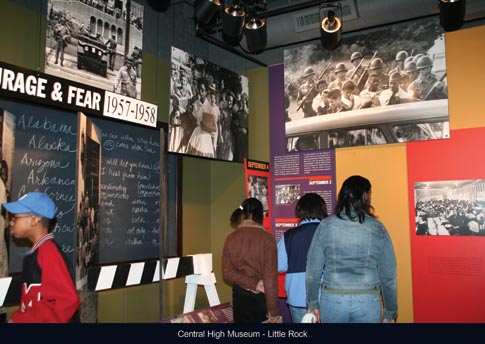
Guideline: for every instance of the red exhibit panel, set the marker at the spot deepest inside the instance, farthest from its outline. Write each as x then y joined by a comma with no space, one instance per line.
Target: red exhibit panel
258,186
446,182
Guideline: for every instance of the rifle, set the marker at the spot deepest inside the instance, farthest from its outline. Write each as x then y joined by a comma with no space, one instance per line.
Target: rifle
289,84
313,87
359,83
434,86
356,69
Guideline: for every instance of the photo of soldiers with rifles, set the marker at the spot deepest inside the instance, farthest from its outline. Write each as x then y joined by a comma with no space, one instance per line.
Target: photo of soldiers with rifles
356,59
358,76
308,90
361,90
427,86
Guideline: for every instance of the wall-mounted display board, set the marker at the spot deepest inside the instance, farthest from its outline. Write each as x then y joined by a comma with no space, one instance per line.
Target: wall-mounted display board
33,86
43,159
98,43
109,172
293,174
379,86
209,109
88,177
130,192
258,186
447,203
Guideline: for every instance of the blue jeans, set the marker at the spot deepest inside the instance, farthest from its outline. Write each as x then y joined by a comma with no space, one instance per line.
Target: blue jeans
350,308
297,313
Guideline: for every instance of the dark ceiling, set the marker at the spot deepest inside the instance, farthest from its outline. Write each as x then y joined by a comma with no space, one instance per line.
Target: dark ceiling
291,22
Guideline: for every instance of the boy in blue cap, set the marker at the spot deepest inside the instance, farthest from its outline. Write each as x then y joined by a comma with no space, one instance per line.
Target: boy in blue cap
48,290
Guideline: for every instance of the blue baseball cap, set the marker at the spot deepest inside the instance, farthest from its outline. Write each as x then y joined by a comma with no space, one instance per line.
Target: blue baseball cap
33,202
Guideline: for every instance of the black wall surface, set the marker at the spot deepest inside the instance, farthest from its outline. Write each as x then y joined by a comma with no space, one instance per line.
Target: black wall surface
130,192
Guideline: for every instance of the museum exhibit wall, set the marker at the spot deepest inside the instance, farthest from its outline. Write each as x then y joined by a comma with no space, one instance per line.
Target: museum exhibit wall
203,191
386,166
21,26
212,189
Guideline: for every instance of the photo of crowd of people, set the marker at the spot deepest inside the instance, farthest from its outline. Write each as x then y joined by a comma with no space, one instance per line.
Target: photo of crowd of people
209,110
287,194
398,67
96,42
88,199
258,188
450,207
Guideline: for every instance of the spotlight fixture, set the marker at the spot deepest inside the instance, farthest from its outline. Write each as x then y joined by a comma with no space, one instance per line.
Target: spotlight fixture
205,10
452,14
233,23
330,25
256,35
255,27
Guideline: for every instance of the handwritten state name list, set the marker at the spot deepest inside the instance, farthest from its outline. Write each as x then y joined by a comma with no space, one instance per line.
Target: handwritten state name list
44,160
47,164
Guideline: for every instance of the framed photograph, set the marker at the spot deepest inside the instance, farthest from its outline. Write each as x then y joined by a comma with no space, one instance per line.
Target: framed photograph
209,113
96,42
385,85
258,186
453,207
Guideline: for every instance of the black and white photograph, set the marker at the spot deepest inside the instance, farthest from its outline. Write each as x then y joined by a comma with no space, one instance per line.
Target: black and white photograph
287,193
88,198
7,131
455,207
258,188
385,85
96,42
209,109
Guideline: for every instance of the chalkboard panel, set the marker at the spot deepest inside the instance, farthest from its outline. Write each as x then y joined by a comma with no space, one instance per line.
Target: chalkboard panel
130,192
42,146
44,159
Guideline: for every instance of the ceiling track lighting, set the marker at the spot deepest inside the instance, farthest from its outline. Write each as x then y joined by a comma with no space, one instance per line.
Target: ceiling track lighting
237,18
233,19
452,14
330,25
205,10
256,34
255,27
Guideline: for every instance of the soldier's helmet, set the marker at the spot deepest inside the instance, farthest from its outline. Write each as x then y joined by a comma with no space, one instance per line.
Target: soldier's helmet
308,71
340,67
402,55
424,62
417,57
410,67
355,56
376,64
408,59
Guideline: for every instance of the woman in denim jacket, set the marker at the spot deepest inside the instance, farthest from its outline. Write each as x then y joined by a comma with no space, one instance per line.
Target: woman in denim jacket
354,252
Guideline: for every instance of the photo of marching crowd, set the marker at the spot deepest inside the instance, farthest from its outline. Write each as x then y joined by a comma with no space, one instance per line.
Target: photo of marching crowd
396,75
209,110
450,207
